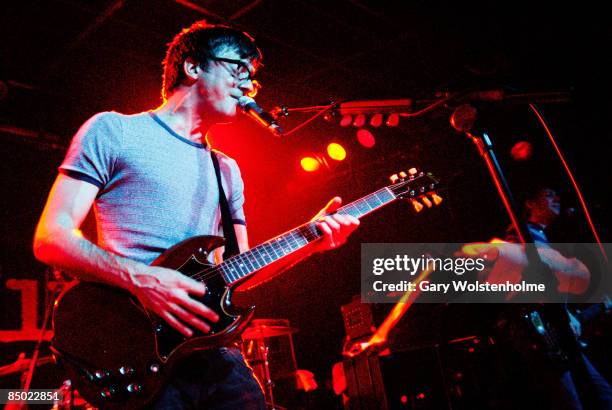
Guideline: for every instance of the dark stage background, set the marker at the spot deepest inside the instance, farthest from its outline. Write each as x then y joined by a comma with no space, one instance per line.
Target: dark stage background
62,61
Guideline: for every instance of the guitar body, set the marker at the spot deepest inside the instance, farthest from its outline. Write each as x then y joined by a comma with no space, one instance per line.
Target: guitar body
116,353
119,356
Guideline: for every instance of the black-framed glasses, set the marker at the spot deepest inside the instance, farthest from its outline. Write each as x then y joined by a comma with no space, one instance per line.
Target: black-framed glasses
241,73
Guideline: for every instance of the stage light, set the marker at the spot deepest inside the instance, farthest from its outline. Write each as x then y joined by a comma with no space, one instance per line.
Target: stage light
346,120
336,151
309,164
376,120
359,121
521,151
392,121
366,138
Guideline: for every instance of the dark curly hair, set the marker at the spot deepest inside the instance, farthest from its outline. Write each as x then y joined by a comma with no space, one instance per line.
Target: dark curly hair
199,41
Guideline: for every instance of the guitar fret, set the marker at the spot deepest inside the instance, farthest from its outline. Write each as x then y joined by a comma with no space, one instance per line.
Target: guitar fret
247,262
270,248
352,210
227,277
279,244
270,251
257,255
243,264
363,206
235,266
262,249
373,201
240,268
384,195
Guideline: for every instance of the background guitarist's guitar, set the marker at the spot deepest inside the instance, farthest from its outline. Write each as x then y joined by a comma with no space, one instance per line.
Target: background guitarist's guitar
119,355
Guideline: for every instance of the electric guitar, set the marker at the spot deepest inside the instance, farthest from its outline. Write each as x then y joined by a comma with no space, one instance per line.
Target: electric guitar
119,355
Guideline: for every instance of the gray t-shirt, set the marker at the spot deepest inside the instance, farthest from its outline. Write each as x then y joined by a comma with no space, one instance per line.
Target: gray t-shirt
156,187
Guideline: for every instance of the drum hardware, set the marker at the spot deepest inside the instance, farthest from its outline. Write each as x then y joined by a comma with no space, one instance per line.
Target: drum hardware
268,349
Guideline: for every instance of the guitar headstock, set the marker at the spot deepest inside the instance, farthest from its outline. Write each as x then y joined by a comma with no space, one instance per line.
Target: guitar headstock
416,186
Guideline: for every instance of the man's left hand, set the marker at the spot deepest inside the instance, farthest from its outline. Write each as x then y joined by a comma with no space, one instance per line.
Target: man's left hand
336,228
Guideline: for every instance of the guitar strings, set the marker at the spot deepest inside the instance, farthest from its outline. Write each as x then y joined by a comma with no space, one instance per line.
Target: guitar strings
215,270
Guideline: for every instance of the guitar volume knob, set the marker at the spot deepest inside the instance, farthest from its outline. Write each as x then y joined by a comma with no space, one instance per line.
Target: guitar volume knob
102,374
108,393
134,388
126,371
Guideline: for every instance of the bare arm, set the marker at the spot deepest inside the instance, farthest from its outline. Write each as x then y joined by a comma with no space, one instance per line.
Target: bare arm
59,242
511,261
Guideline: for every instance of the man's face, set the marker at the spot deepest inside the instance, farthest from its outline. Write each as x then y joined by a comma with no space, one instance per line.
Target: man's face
545,207
222,83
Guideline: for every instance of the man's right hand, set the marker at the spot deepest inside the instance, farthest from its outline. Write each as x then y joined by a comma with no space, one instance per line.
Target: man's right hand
167,293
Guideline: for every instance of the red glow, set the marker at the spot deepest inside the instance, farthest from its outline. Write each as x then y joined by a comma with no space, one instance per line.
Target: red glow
359,120
521,151
420,396
392,121
366,138
376,120
346,120
404,399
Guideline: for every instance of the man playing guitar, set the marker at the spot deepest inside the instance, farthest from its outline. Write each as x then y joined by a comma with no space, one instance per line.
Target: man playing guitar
152,183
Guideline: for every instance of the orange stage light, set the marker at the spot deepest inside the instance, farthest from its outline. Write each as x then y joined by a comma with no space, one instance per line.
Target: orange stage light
336,151
309,164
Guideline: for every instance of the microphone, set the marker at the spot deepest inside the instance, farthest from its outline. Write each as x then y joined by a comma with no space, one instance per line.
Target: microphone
250,108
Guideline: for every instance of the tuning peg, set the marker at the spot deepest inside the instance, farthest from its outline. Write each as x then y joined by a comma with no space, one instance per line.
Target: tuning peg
393,178
426,201
437,199
418,207
403,175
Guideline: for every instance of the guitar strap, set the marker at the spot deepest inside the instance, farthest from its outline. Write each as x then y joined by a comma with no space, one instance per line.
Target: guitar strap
231,242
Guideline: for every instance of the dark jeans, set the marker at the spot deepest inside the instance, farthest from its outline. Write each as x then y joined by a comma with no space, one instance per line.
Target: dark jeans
538,373
586,388
217,380
530,381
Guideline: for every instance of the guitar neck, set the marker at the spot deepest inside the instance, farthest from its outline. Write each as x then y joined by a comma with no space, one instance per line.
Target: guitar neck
240,266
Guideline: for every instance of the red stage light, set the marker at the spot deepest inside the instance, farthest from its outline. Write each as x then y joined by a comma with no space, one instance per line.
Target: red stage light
376,120
366,138
521,151
392,121
336,151
346,120
309,164
359,120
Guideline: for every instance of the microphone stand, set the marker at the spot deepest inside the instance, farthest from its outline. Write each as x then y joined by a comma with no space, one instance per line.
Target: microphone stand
462,120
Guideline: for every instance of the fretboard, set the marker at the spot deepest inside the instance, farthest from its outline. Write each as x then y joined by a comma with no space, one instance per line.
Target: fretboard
240,266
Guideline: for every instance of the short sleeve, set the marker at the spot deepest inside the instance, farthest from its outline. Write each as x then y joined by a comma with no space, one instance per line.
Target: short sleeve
236,199
93,151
